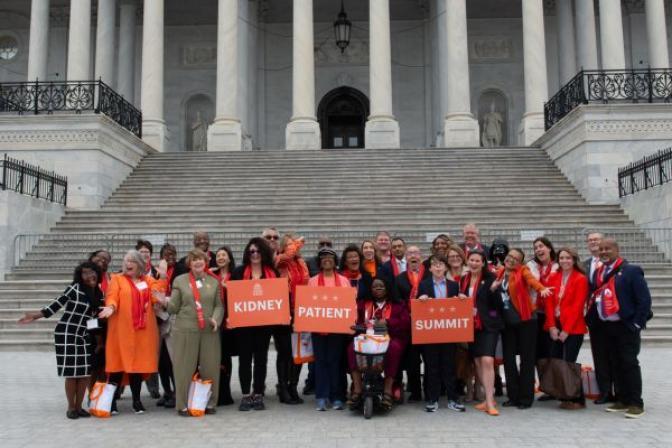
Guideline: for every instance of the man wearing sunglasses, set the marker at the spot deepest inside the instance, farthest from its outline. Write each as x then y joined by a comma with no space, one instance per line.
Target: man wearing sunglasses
272,237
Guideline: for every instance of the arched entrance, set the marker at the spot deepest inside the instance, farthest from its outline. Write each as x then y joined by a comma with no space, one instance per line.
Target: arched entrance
342,115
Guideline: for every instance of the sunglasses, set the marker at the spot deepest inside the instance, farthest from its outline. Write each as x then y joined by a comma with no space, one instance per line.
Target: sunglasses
254,251
272,237
325,244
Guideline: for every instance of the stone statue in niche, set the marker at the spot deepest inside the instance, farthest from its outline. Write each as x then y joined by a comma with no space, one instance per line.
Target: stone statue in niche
199,133
492,128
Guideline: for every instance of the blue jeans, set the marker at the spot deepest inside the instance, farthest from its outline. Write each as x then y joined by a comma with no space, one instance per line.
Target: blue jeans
328,350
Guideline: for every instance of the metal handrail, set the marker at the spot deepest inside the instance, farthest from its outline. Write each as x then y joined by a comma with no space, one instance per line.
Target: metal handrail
31,180
651,246
48,97
652,85
648,172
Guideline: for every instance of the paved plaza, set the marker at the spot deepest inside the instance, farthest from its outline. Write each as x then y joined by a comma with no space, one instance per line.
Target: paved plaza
33,415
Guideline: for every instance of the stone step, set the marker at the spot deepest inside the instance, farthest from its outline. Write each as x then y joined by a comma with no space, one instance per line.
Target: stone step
19,345
28,334
40,324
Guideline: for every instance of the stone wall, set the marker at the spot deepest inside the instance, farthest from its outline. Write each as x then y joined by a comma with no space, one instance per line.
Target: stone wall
593,141
21,214
94,152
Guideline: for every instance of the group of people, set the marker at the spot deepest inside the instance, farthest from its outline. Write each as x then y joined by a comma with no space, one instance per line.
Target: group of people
171,318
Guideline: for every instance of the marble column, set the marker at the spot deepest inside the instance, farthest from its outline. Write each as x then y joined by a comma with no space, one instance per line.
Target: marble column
534,68
38,49
79,41
460,129
566,44
382,130
611,35
656,31
303,131
105,41
586,35
225,133
154,131
128,18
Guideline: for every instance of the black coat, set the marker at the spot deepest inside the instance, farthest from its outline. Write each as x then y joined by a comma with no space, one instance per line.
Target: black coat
426,287
489,304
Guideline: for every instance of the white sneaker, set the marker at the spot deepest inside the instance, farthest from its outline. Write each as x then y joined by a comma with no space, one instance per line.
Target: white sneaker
432,406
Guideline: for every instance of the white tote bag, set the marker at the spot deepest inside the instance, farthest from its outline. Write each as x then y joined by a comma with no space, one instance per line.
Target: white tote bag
302,348
101,397
199,394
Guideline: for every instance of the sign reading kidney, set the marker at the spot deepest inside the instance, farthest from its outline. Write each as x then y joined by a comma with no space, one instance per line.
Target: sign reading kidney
254,303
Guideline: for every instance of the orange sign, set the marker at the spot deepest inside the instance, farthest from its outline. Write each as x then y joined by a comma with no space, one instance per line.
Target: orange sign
254,303
438,321
321,309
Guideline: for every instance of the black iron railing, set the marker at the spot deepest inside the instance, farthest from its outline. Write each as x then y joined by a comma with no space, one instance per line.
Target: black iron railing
646,173
70,96
31,180
609,86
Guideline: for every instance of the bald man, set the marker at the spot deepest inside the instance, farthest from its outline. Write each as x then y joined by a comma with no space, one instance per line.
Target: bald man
620,305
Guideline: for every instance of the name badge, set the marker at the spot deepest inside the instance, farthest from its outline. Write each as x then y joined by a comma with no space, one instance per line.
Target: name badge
199,284
92,324
141,286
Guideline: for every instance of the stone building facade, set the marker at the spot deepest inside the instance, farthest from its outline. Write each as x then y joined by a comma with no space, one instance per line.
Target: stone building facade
249,74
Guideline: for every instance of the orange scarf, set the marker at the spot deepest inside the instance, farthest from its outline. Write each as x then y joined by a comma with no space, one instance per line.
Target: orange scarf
140,302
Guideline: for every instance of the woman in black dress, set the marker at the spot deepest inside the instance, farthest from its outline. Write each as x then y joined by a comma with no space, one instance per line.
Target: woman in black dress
476,283
72,338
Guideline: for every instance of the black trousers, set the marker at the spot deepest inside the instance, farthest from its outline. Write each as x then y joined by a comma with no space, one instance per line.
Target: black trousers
411,363
624,345
602,358
253,343
440,370
166,370
134,380
544,341
520,340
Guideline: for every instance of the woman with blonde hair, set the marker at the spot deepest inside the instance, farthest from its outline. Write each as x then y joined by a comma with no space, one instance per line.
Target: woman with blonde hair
196,303
132,345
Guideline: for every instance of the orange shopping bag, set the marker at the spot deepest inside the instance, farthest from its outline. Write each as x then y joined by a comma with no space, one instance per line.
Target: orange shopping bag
101,396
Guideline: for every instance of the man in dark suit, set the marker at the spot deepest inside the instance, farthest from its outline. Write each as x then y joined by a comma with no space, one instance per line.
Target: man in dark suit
403,287
621,302
201,241
604,371
397,262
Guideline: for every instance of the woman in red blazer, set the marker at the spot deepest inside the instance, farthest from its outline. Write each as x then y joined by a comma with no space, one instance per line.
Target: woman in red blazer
564,313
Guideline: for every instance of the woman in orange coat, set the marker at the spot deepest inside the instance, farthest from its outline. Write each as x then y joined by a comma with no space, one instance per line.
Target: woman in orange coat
564,313
132,345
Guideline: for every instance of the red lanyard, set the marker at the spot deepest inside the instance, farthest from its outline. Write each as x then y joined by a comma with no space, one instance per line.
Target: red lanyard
197,301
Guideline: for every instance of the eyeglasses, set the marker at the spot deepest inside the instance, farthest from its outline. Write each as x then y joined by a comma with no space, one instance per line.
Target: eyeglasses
325,244
272,237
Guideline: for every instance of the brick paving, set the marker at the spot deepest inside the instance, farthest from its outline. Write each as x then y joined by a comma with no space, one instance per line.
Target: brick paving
33,415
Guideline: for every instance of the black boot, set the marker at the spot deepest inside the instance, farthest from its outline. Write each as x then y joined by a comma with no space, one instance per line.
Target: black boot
294,374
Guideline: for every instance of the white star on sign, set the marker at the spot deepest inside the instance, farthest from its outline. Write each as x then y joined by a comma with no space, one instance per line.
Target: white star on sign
442,309
452,309
325,298
314,297
335,298
431,310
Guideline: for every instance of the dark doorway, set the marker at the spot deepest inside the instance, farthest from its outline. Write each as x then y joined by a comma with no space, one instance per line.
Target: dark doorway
342,115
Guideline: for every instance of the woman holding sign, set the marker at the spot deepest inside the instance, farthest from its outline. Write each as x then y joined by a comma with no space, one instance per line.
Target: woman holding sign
488,323
520,327
253,342
382,309
198,309
439,358
132,345
329,348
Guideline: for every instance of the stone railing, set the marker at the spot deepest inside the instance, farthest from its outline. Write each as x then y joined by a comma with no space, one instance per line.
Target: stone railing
40,97
609,86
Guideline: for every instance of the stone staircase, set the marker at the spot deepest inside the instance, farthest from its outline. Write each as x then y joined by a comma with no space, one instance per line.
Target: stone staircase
516,193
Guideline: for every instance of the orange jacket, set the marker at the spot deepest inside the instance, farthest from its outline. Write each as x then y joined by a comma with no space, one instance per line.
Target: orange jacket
129,350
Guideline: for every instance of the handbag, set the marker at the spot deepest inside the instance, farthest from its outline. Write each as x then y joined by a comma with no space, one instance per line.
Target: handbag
560,379
101,396
199,395
302,348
